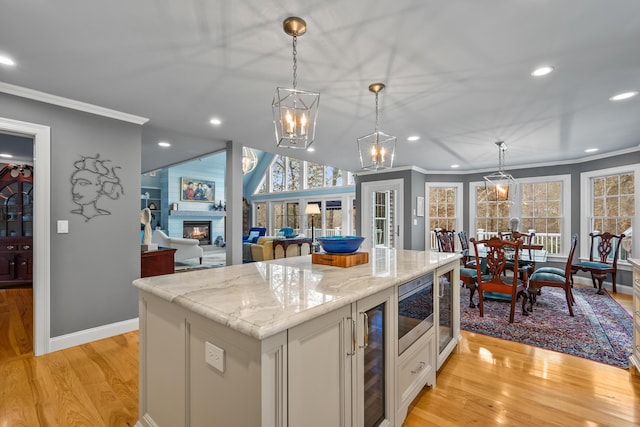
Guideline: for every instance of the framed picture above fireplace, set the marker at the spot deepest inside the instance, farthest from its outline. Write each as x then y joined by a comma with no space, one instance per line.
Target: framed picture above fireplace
197,190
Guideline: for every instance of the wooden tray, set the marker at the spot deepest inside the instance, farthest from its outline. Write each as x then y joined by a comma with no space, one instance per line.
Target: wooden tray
340,260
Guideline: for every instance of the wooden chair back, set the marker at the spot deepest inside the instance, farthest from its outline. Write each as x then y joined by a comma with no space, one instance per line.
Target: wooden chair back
445,239
605,248
498,253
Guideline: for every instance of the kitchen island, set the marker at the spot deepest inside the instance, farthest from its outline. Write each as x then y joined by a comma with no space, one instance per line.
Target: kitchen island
289,343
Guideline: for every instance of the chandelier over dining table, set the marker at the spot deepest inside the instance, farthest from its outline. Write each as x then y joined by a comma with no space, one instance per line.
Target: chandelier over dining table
377,149
500,182
295,111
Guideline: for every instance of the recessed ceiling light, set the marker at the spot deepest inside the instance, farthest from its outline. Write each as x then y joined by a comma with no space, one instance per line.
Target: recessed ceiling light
542,71
413,138
311,149
590,150
215,121
164,144
5,60
623,95
5,155
455,166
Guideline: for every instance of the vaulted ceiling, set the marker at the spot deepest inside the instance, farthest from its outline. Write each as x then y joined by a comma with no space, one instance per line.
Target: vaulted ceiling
457,72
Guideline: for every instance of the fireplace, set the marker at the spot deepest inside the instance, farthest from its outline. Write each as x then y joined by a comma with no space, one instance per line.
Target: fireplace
200,230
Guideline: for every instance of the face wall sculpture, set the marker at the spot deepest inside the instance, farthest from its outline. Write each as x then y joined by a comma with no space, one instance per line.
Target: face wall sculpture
93,180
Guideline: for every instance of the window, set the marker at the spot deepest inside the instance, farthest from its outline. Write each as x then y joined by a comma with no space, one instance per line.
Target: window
261,214
444,202
540,204
315,175
609,200
293,174
541,211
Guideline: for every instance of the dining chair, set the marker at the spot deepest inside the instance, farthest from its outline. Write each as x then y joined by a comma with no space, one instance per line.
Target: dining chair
527,241
603,259
467,260
554,277
497,253
468,276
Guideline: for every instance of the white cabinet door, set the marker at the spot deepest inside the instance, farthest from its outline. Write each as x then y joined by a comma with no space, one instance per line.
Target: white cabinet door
373,394
319,371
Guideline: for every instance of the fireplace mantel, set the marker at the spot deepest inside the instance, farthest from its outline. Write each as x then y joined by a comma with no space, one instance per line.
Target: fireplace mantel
200,214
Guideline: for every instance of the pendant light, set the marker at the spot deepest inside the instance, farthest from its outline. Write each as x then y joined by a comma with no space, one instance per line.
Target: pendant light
377,149
500,182
295,111
249,160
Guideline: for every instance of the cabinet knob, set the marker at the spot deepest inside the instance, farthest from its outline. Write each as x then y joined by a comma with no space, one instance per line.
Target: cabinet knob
26,247
10,247
420,368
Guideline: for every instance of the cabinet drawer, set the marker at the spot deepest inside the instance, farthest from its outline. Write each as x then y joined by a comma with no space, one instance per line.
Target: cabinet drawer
416,368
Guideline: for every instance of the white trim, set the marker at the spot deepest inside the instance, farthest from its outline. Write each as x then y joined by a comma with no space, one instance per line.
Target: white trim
88,335
459,225
566,205
70,103
586,204
41,227
366,223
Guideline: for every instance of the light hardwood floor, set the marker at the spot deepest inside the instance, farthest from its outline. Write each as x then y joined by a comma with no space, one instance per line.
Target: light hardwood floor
486,382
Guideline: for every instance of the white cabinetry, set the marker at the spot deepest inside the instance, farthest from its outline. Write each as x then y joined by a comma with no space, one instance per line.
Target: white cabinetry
634,360
340,366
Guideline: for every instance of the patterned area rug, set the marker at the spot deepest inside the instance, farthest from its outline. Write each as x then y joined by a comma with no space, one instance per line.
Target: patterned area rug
601,329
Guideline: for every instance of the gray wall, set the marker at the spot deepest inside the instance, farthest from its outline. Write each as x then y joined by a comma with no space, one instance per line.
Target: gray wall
93,266
414,185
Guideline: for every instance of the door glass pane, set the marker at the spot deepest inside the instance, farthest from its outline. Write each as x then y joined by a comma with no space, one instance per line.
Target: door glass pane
374,368
446,310
383,219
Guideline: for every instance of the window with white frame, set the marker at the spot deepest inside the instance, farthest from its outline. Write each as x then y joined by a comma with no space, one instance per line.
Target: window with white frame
286,174
444,209
608,203
540,204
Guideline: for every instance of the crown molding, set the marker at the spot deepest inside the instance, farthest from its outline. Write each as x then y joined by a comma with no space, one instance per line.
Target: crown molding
70,103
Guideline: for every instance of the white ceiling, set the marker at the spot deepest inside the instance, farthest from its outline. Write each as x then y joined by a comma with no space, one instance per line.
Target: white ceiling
457,72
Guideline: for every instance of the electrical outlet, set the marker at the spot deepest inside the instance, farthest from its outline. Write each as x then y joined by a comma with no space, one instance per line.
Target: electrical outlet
214,356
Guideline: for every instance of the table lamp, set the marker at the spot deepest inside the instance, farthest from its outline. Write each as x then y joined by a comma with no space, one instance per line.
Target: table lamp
312,209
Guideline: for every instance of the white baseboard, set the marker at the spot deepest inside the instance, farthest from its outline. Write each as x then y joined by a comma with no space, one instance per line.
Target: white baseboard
586,281
82,337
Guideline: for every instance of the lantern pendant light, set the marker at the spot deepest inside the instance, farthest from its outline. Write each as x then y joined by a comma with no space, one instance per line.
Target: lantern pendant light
295,111
500,184
376,149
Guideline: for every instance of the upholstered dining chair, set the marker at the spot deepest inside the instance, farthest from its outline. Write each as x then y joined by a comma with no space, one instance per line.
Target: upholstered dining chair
603,259
554,277
467,260
468,276
527,240
494,281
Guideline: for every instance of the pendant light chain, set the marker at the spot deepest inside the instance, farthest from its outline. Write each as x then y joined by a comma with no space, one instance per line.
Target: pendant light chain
376,111
295,61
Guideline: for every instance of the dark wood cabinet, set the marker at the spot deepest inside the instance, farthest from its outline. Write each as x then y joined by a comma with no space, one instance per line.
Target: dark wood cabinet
16,224
155,263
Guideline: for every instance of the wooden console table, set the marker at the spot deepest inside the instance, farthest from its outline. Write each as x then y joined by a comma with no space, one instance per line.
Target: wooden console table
155,263
285,243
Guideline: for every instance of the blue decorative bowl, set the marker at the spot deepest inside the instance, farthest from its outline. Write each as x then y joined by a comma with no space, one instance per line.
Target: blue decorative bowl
340,244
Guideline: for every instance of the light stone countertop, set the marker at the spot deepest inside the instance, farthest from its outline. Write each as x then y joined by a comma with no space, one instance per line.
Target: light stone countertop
263,298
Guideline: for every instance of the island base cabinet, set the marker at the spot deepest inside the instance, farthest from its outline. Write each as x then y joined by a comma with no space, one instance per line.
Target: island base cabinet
416,368
179,388
634,360
320,371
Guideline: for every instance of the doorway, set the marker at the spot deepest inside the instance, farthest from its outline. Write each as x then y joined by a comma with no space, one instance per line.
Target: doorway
40,137
382,213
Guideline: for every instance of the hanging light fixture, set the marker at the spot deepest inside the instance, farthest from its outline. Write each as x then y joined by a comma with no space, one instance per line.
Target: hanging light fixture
249,160
295,111
376,149
500,182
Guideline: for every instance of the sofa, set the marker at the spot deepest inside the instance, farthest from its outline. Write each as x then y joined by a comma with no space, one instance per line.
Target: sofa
262,250
185,248
254,234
